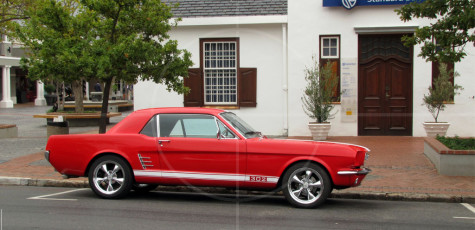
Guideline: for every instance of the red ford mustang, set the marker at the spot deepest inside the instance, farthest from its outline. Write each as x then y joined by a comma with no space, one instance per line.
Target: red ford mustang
204,147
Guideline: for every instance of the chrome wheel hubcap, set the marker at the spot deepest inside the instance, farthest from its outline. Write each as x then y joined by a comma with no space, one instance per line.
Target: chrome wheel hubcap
305,185
108,177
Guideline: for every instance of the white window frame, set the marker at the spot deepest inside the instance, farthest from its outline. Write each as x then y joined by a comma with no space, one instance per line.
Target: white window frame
222,68
330,47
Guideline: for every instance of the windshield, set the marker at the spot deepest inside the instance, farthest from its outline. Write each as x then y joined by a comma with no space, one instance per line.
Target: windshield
240,125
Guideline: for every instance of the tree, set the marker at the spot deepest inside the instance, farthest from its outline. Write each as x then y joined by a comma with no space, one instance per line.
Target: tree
108,40
58,35
13,10
445,39
132,42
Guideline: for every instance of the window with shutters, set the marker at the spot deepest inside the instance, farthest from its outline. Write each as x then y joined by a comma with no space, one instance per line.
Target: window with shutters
220,72
220,81
330,55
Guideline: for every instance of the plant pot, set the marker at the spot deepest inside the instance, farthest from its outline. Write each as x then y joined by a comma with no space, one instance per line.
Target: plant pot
319,130
50,99
433,129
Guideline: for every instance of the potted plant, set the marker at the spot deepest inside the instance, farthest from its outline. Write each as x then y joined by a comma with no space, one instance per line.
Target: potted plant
318,96
50,98
441,92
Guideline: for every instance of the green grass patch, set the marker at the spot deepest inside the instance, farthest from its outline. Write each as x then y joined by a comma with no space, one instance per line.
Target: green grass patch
457,143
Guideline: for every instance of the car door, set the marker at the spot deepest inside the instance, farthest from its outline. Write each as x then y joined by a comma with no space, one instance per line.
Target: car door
199,149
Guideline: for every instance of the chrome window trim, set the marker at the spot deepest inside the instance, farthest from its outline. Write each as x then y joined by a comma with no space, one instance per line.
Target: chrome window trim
236,137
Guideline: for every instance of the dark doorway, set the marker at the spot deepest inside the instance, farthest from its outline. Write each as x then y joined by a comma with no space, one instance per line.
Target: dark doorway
384,86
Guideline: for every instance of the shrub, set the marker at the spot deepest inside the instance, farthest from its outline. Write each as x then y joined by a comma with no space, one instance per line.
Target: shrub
441,92
317,99
457,143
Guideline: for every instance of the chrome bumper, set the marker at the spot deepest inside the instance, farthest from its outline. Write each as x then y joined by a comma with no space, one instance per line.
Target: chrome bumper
363,171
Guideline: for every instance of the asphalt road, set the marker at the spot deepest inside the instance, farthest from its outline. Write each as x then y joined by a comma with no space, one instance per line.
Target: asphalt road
69,208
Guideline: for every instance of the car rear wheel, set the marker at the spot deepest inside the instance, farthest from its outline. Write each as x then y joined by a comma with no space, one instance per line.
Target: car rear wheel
110,177
306,185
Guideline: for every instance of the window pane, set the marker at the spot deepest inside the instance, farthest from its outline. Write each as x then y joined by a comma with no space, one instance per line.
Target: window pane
150,128
201,126
333,52
221,73
334,42
177,131
326,42
326,52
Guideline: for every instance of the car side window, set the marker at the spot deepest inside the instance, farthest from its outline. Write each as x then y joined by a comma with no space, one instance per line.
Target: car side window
178,130
150,129
187,125
200,126
225,132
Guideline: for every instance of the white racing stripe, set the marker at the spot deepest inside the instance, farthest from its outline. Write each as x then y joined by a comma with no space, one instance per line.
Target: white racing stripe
206,176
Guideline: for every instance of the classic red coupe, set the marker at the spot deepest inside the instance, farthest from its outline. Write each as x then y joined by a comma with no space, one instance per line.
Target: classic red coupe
204,147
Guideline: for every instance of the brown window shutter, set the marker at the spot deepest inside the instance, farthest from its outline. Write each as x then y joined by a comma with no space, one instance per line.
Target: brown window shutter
194,81
247,87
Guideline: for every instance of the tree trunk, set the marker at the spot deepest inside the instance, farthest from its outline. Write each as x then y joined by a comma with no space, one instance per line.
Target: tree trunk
78,96
63,99
105,105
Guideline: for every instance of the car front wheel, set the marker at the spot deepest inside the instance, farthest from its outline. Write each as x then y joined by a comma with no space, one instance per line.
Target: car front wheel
110,177
306,185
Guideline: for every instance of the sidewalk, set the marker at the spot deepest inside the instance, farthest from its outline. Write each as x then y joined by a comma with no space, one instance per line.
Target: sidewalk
400,172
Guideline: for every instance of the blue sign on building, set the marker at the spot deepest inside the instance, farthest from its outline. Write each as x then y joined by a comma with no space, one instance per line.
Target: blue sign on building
349,4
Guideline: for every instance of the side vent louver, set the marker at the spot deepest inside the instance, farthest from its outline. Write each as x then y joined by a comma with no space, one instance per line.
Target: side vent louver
145,161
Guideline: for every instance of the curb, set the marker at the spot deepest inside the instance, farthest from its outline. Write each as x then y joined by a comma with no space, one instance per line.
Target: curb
20,181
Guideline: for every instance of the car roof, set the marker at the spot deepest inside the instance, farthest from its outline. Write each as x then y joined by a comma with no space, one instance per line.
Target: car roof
181,110
137,120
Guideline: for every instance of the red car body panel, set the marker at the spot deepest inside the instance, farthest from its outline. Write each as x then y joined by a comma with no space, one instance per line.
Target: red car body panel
251,163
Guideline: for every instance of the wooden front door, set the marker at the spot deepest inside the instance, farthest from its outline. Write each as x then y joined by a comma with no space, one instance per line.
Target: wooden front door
384,86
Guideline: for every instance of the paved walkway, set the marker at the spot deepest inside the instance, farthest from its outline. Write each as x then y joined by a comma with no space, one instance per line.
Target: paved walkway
400,172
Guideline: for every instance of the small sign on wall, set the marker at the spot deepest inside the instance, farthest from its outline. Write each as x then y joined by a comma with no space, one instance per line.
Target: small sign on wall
349,89
349,4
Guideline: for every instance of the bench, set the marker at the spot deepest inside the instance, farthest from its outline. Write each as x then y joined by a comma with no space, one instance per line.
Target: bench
120,107
8,131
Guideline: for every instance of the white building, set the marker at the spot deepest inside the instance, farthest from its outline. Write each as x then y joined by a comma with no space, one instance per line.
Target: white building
15,87
250,58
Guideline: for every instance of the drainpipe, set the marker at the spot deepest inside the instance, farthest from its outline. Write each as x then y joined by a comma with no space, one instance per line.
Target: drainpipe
285,80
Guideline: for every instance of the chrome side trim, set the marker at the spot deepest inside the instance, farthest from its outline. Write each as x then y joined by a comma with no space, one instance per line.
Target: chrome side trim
363,171
206,176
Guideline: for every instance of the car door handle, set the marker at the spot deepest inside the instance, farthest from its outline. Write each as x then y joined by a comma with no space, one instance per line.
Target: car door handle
160,142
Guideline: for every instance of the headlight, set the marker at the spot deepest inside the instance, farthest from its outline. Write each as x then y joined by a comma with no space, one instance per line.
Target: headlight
47,155
361,156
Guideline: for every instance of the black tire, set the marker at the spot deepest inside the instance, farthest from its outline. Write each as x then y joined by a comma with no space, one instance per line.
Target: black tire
110,177
144,188
306,185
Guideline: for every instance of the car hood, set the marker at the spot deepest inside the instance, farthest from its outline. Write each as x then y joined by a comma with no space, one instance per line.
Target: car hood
303,147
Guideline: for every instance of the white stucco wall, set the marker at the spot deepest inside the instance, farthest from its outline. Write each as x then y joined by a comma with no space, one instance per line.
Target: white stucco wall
261,47
281,67
308,19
